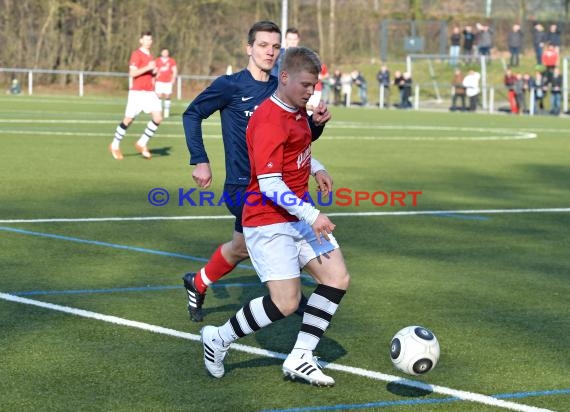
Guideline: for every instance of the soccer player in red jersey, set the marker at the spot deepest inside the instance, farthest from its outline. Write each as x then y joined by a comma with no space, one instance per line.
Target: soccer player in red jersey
142,98
166,73
283,233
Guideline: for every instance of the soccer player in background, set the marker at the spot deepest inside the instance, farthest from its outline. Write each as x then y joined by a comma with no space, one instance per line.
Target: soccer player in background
141,98
236,96
284,233
166,72
292,39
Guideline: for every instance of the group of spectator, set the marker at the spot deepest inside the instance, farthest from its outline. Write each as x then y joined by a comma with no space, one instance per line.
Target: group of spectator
469,42
402,81
337,88
520,85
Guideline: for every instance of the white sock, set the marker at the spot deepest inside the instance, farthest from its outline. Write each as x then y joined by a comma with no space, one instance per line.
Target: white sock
167,108
120,132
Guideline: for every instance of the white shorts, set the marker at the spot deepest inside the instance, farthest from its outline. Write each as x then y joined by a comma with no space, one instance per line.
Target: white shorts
281,250
142,101
163,88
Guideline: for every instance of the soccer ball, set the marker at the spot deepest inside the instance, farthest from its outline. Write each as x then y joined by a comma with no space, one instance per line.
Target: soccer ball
414,350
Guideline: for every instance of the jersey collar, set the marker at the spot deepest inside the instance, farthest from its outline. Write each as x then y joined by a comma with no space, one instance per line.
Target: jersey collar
282,104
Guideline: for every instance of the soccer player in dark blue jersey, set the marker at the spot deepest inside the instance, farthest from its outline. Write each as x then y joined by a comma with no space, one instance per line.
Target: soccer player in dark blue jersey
236,96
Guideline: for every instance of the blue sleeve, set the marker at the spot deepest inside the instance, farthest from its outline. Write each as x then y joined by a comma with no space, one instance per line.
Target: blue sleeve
316,131
215,97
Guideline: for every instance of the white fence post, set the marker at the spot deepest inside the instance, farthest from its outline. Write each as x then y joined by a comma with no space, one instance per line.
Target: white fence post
30,82
491,100
417,97
81,84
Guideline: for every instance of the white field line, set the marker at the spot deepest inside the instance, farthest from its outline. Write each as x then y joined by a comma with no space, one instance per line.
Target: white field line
464,395
488,133
516,136
337,214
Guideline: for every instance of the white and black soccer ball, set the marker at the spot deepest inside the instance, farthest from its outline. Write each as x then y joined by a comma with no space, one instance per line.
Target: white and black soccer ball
414,350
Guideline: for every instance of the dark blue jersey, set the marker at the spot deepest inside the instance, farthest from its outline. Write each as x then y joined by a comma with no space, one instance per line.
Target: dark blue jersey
236,96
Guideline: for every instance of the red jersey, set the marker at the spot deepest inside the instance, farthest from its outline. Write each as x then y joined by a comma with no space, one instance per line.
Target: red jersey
164,69
278,144
145,81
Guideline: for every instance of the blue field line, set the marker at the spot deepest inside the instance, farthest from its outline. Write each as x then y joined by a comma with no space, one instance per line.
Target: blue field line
407,402
112,245
305,280
460,216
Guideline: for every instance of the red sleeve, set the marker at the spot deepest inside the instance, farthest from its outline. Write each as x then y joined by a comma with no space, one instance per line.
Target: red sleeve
267,142
135,60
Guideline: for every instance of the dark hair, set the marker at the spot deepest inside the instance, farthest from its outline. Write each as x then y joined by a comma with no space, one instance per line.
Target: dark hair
146,33
292,30
264,25
299,59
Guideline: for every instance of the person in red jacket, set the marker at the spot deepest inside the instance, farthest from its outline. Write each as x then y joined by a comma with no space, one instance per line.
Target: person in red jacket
550,60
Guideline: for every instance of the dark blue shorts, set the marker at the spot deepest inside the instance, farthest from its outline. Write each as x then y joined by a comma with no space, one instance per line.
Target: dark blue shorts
235,192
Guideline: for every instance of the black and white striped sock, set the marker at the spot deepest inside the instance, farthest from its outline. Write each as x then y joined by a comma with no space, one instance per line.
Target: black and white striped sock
149,131
320,309
255,315
120,132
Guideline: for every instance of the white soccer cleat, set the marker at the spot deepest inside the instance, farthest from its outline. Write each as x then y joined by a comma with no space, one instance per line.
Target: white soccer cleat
306,368
214,351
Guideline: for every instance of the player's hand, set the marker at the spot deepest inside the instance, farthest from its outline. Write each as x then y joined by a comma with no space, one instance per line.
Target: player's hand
323,227
321,114
324,182
151,65
202,175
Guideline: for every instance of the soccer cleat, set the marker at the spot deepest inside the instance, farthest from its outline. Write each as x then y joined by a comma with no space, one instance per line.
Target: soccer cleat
195,298
214,351
143,150
306,367
117,155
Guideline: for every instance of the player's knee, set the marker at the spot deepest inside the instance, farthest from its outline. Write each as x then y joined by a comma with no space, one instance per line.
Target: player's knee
342,281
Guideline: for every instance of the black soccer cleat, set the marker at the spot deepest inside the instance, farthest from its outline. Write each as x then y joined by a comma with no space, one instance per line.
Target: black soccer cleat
195,298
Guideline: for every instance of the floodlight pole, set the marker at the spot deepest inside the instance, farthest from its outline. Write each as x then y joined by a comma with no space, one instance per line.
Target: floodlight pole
284,13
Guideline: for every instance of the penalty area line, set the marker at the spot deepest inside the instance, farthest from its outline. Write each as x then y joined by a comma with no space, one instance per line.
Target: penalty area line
464,395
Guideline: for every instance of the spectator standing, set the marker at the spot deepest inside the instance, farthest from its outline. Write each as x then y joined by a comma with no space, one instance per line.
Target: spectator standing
555,92
346,88
15,87
455,46
468,43
515,43
554,37
485,40
359,80
336,84
537,84
383,77
538,41
399,83
406,91
549,60
509,82
519,89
